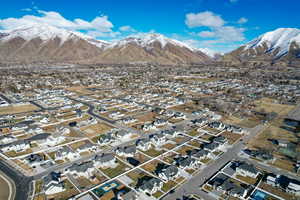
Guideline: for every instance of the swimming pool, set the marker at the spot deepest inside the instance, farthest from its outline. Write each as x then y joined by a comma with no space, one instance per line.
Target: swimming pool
259,195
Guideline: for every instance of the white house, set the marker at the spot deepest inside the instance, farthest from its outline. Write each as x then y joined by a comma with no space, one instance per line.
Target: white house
158,139
17,146
246,169
128,151
53,184
168,173
66,152
85,169
105,160
144,144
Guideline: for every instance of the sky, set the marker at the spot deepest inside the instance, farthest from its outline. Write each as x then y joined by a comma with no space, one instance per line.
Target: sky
218,25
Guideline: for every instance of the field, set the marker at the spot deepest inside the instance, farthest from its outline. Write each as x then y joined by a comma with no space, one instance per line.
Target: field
184,149
153,152
261,140
4,189
268,105
13,109
95,129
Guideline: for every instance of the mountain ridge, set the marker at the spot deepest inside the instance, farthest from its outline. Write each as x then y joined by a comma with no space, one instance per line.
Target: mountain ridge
282,44
48,43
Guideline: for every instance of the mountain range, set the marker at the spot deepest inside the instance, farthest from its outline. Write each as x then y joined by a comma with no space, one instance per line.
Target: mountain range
282,44
44,43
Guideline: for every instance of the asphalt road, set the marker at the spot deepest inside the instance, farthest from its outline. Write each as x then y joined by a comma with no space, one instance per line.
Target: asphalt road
5,98
23,184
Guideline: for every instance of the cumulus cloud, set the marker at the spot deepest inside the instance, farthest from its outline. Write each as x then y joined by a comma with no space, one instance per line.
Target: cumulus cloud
242,20
101,24
229,34
203,19
218,30
207,34
127,29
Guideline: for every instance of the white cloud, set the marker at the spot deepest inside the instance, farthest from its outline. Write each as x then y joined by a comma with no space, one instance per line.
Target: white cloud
100,24
242,20
219,32
203,19
127,29
229,34
207,34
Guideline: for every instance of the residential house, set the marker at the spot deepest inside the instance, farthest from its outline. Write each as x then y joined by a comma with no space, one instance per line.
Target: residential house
170,133
122,134
87,147
5,139
53,184
287,184
179,115
200,121
143,144
150,186
84,169
46,139
127,151
271,180
217,125
158,139
17,146
160,122
35,160
148,126
66,153
211,146
200,154
232,189
168,173
106,139
245,169
105,160
187,162
127,195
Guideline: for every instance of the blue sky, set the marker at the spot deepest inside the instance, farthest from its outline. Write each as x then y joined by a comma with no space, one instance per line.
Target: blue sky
220,25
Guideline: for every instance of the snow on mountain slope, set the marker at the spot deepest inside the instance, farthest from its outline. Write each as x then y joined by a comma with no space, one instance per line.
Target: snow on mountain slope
280,39
208,52
46,32
147,39
42,42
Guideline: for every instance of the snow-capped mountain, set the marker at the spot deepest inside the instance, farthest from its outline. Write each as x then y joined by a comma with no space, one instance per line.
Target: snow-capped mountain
151,48
146,40
280,44
42,42
46,32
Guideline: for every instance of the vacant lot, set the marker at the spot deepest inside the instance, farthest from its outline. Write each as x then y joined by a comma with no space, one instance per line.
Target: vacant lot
13,109
4,189
268,105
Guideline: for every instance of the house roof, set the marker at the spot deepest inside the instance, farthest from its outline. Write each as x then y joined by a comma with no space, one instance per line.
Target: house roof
81,167
149,184
105,157
248,167
185,161
128,149
169,170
